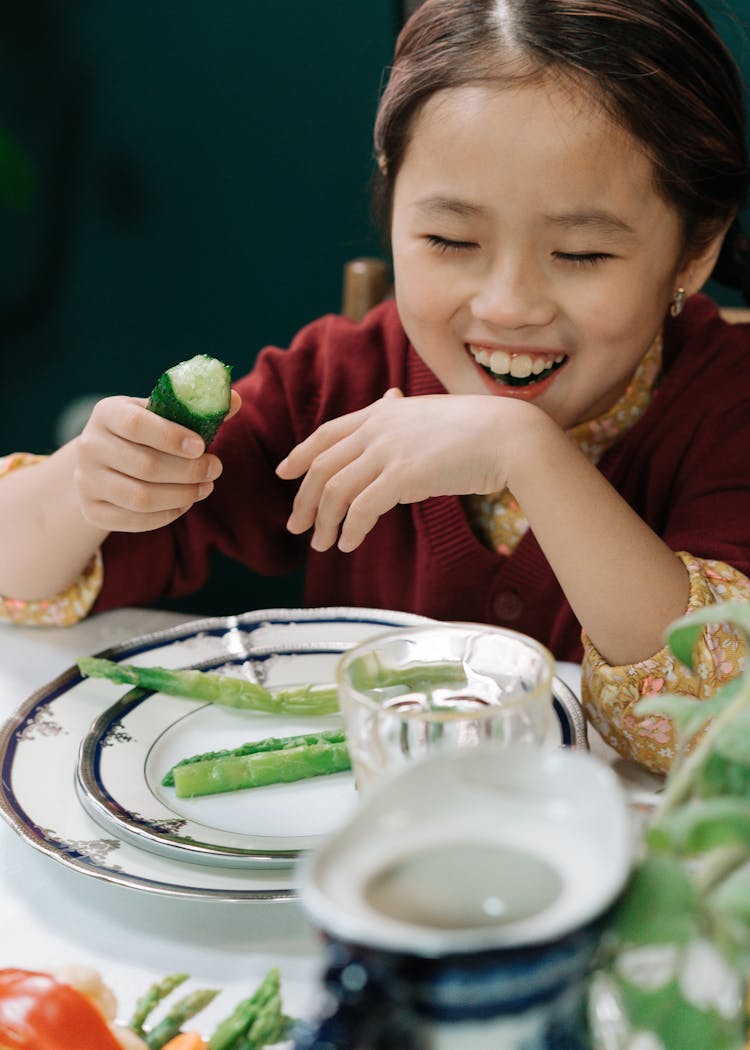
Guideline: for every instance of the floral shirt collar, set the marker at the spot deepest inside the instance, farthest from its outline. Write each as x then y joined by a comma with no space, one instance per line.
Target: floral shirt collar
596,436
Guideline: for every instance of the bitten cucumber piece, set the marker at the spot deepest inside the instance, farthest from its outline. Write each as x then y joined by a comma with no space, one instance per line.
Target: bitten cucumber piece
195,393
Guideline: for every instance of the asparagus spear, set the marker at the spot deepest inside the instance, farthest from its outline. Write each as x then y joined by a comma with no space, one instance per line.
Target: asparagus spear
229,691
266,1028
233,1027
181,1012
235,772
152,997
271,743
216,688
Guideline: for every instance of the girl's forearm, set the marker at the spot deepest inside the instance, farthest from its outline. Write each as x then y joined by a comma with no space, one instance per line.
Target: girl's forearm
623,582
45,542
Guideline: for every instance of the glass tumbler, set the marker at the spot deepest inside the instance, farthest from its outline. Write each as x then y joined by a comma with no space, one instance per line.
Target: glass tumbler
414,691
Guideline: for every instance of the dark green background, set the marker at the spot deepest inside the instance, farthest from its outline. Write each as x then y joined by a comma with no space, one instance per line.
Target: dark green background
202,176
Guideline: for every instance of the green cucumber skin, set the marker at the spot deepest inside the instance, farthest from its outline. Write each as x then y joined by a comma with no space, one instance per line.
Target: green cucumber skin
165,402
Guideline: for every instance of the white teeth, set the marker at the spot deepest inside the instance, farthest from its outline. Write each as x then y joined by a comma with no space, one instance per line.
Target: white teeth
499,362
520,367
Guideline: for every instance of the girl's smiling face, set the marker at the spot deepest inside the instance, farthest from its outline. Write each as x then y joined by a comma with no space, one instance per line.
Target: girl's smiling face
533,255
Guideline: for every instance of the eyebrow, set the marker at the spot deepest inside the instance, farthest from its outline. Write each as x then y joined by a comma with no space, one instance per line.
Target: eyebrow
603,221
591,220
438,205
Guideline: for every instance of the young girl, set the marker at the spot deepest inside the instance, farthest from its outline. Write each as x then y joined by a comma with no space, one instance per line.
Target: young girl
547,429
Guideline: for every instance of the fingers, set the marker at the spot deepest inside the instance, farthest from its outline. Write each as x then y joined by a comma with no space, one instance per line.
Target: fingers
337,469
145,463
364,512
340,496
327,484
136,471
112,518
396,451
301,458
347,494
303,455
350,505
140,495
129,419
235,403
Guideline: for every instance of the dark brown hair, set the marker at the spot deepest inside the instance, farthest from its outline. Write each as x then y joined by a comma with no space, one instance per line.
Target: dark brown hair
658,66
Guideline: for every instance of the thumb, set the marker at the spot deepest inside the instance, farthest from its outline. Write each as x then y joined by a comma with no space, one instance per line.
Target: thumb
234,405
392,392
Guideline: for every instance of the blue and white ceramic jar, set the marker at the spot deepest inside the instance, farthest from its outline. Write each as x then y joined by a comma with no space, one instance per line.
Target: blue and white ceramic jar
462,905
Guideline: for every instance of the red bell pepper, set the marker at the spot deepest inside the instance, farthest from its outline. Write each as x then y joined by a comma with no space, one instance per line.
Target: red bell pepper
38,1012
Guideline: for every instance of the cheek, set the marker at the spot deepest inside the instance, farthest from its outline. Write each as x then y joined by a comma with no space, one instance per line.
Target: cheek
421,291
621,317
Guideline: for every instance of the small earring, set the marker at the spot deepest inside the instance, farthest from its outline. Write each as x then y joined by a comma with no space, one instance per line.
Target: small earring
675,307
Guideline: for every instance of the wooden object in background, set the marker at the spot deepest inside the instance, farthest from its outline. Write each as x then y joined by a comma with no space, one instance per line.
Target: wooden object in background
367,281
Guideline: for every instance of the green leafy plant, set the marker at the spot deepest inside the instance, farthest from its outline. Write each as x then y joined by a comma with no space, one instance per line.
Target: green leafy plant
678,949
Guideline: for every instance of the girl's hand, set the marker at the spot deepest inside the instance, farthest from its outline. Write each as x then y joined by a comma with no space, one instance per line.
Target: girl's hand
136,471
399,450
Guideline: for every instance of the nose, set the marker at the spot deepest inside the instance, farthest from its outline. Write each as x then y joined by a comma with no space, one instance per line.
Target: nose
513,294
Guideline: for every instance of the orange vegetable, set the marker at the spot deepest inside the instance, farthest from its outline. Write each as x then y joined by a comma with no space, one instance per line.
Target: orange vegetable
185,1041
38,1012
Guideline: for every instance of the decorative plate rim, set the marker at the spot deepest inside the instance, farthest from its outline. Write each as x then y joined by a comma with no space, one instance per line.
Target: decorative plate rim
43,840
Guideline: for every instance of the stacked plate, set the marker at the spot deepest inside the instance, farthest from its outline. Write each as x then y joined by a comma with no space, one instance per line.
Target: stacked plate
83,760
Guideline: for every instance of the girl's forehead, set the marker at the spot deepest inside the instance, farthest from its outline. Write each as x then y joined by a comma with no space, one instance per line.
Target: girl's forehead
542,103
544,131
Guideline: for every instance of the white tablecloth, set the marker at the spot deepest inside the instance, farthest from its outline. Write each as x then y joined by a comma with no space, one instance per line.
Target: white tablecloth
51,915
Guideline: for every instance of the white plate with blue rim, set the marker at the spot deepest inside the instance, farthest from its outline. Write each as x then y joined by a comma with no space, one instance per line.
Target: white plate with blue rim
107,747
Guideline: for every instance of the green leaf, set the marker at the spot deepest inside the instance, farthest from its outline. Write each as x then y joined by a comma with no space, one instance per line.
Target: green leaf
678,1023
702,825
723,776
683,640
733,742
658,906
732,896
684,633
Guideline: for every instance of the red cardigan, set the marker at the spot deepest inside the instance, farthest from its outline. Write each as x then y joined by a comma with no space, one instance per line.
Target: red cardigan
684,467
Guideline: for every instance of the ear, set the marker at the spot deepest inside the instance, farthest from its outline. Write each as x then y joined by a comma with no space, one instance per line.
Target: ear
698,263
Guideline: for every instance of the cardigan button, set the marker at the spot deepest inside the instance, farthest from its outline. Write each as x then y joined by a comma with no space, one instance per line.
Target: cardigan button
507,605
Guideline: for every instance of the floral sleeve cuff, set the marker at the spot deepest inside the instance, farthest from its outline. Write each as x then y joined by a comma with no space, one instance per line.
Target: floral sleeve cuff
66,608
610,693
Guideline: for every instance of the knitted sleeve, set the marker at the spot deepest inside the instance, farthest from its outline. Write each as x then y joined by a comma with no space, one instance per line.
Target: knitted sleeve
66,608
610,693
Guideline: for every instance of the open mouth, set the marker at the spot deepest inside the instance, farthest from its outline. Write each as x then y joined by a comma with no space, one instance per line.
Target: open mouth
516,369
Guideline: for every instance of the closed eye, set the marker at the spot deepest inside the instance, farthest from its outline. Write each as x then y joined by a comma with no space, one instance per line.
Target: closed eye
583,258
444,245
